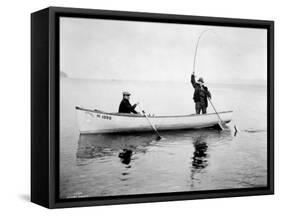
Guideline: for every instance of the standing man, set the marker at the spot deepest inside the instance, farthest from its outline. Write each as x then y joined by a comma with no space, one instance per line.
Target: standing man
201,95
125,106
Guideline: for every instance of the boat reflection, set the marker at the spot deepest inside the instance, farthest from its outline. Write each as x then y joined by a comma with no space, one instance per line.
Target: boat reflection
102,145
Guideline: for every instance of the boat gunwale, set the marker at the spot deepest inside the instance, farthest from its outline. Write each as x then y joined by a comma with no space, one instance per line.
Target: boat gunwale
143,116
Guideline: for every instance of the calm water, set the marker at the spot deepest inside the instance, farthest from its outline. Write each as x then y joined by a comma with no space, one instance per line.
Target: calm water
182,161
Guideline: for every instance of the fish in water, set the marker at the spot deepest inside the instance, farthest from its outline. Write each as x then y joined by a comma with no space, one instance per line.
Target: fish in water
236,130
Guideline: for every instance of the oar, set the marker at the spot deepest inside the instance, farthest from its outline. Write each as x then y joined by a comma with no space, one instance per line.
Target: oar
194,63
152,125
220,121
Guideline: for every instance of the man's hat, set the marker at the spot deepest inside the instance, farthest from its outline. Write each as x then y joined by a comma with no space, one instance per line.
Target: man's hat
126,93
200,80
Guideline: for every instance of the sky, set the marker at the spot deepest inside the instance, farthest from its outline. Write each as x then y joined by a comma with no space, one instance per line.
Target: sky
145,51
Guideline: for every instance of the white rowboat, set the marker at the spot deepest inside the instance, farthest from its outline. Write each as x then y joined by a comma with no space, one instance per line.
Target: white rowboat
97,122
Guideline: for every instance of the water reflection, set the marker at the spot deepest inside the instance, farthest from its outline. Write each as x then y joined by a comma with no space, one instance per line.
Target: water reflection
126,156
99,146
199,159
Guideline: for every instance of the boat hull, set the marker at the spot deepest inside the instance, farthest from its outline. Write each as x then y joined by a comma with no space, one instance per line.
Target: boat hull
98,122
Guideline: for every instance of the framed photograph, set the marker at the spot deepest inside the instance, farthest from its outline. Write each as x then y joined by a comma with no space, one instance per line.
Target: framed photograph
138,107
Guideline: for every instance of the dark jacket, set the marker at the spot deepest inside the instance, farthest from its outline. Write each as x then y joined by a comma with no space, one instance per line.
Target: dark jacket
201,94
126,107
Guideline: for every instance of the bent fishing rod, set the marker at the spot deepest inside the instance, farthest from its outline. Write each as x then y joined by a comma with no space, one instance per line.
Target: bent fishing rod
220,122
196,48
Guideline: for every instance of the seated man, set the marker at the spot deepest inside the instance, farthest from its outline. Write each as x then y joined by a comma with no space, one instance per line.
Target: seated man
125,106
201,95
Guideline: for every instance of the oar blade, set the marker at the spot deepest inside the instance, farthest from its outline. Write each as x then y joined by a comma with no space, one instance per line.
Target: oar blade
158,138
222,125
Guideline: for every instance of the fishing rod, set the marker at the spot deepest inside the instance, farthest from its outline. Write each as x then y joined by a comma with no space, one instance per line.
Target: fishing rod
221,123
197,44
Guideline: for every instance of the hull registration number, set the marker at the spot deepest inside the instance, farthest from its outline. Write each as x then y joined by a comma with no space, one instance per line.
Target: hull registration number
106,117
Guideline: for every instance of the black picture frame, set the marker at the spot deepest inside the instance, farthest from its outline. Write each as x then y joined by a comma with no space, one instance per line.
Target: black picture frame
45,106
